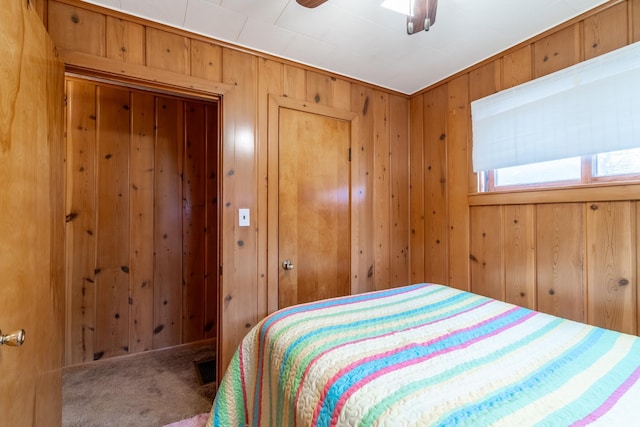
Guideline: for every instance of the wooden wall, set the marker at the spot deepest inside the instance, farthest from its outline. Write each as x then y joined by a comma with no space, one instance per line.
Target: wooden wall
418,217
141,221
570,252
95,40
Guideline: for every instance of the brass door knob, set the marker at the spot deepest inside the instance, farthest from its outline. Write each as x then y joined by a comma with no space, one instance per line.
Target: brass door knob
14,339
287,265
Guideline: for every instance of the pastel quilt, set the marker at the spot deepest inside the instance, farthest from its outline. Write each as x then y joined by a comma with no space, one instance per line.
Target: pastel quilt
425,355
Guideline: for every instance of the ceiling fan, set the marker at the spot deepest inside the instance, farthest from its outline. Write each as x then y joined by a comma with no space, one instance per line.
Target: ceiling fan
421,17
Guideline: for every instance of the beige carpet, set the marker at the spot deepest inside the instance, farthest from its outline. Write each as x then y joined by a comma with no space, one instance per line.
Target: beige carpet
149,389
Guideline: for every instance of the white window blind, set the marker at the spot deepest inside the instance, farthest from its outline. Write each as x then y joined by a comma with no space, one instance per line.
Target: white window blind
591,107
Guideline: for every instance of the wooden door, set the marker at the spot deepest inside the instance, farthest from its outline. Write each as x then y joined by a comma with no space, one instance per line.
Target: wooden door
314,207
31,219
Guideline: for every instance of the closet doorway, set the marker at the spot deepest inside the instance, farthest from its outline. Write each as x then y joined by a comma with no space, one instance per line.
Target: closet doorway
142,224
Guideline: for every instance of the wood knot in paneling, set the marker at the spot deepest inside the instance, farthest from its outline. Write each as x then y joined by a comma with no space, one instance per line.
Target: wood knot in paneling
71,216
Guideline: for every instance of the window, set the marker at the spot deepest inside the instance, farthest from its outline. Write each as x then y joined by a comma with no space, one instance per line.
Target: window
622,165
576,126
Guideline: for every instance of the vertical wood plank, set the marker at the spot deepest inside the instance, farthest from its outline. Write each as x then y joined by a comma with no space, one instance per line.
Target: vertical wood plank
77,29
485,80
142,221
124,41
112,278
167,51
381,191
487,264
436,208
417,188
81,227
341,94
362,164
327,90
212,259
238,296
560,260
400,181
458,154
606,31
270,82
206,60
611,290
519,255
319,88
294,82
557,51
517,67
167,233
193,222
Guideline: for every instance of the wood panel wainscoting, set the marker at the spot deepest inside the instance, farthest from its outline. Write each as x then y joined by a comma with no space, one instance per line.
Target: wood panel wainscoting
574,260
142,220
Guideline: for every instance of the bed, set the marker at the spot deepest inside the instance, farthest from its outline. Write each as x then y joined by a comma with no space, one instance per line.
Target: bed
428,354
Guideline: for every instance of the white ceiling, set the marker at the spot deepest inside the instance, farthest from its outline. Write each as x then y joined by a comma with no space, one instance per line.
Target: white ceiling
360,39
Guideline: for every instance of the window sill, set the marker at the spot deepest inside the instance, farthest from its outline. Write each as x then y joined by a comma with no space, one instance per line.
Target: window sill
583,193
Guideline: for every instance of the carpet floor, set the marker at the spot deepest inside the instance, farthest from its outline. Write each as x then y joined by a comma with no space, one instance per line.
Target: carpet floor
148,389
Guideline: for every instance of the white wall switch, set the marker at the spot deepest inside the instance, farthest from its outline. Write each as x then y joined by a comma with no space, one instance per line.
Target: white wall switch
243,218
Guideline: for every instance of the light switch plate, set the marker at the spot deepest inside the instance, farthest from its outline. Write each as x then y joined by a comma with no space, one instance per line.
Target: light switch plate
243,218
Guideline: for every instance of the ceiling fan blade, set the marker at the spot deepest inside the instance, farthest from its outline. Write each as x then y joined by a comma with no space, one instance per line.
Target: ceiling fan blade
310,3
424,16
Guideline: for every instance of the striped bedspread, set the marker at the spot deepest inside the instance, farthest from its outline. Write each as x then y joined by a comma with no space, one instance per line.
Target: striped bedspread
428,354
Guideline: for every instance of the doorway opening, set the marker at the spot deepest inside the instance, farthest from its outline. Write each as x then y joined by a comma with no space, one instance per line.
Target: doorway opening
142,225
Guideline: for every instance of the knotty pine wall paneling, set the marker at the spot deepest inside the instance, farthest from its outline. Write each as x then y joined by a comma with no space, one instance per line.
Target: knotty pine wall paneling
194,222
520,255
141,176
611,268
399,178
271,79
124,41
80,229
487,258
417,211
382,190
362,201
458,160
151,54
239,294
212,221
436,187
167,237
549,250
560,259
142,224
112,226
